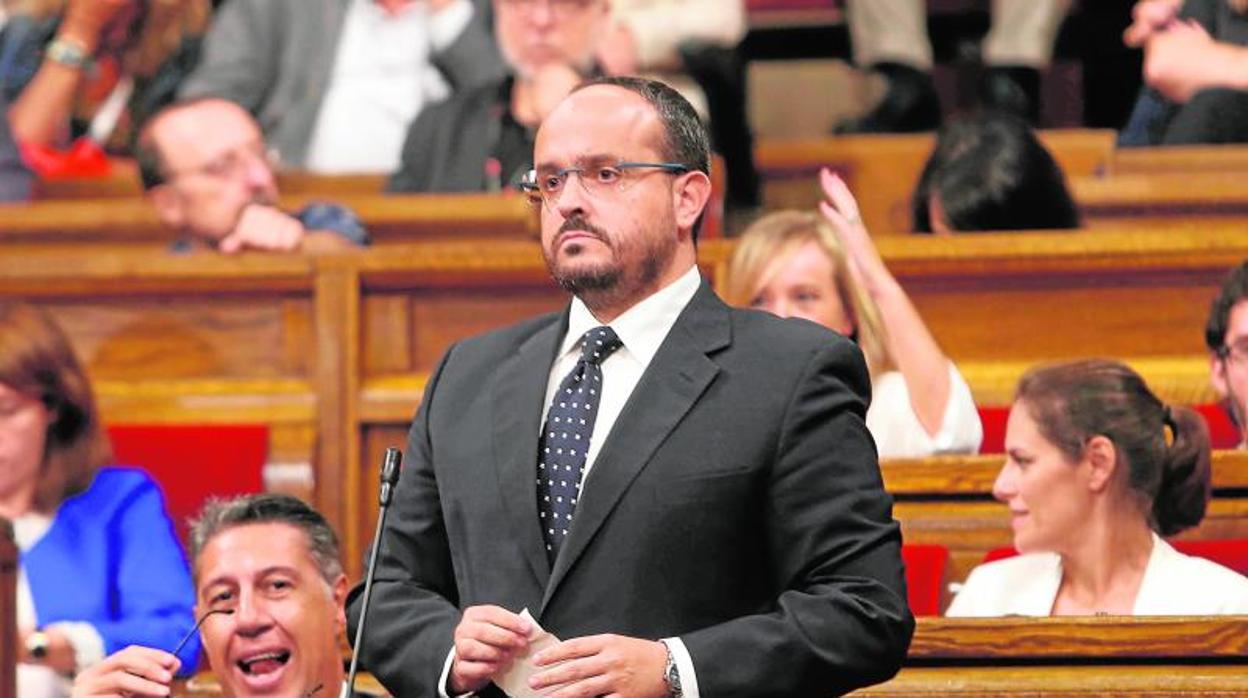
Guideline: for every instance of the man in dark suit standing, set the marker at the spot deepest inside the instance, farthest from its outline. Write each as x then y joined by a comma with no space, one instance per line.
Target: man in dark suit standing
685,493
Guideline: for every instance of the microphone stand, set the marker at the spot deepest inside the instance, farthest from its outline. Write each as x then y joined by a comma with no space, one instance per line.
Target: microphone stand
389,477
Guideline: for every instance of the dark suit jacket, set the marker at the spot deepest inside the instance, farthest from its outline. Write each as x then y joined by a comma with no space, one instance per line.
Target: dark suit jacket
449,142
737,503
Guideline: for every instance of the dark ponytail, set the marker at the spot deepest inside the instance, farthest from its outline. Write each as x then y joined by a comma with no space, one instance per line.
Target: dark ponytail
1185,473
1162,451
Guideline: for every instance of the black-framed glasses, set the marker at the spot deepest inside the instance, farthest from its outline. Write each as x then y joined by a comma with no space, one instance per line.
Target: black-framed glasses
597,180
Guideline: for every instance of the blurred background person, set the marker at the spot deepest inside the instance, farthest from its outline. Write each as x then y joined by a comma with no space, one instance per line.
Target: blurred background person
890,38
92,70
208,172
824,268
1195,72
482,139
1097,471
335,84
990,172
1226,336
101,567
694,46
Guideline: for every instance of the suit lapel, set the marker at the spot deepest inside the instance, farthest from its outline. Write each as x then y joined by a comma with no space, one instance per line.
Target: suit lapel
519,391
677,376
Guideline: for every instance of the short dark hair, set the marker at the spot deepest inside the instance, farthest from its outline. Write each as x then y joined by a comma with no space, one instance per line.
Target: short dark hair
990,172
685,139
221,515
1074,401
1234,290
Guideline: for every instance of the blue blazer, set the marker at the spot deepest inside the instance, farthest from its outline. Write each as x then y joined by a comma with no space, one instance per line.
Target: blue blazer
111,559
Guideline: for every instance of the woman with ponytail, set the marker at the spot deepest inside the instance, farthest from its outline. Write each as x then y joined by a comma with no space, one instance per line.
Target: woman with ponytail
1097,471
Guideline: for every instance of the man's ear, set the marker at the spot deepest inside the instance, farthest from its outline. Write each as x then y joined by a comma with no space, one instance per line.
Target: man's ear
340,589
691,195
167,203
1102,458
1217,375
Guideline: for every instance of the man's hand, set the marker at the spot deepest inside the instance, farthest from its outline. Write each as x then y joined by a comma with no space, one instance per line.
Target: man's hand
134,671
603,665
486,639
1149,17
263,227
86,20
1184,59
617,51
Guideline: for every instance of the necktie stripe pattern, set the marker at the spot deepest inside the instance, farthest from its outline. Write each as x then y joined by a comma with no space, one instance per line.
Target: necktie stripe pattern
564,441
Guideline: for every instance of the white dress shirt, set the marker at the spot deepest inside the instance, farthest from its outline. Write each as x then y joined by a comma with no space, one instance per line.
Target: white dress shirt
383,75
642,329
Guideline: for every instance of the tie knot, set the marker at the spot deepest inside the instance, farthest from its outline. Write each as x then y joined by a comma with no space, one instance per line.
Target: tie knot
599,343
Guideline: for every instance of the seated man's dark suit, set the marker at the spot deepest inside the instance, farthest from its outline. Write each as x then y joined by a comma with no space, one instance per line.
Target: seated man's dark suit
736,504
449,144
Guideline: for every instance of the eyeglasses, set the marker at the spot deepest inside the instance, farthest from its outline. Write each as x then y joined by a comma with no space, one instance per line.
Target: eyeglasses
232,164
561,8
598,181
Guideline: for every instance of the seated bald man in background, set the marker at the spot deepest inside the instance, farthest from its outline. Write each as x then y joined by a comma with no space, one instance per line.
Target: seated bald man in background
208,172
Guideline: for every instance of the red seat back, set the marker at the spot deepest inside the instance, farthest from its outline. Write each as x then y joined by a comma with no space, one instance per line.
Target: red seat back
1228,553
194,462
925,577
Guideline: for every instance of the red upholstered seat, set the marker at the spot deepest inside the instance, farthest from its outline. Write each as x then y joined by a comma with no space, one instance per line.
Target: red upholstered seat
925,577
194,462
1228,553
1223,433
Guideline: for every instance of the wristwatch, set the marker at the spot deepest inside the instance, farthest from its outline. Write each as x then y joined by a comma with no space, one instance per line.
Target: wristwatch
68,54
671,674
37,644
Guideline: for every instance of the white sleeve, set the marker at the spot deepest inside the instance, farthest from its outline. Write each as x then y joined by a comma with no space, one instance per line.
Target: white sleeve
86,641
898,432
660,27
447,24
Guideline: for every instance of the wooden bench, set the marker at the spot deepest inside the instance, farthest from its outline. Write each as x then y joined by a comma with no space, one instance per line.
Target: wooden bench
8,611
947,500
396,218
1178,159
883,169
122,181
331,352
1138,656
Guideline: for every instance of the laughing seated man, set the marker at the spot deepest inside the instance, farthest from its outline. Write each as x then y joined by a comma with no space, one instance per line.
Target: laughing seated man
208,172
273,561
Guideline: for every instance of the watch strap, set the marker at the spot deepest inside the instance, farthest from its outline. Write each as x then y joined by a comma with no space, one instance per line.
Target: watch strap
68,54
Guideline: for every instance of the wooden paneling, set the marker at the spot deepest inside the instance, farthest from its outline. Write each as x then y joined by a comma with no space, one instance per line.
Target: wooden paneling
394,218
8,611
883,169
1085,656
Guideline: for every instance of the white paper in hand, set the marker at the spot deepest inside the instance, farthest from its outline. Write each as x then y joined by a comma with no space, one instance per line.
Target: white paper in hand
515,679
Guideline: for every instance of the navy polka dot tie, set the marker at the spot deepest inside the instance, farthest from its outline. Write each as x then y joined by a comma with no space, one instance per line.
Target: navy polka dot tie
565,437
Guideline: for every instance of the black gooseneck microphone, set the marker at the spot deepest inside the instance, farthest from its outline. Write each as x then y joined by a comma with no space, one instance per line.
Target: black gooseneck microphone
389,478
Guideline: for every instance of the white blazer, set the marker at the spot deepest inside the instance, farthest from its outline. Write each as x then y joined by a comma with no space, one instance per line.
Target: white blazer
1174,585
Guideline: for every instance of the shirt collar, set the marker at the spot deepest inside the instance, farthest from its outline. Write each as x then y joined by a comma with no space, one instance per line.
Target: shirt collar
643,327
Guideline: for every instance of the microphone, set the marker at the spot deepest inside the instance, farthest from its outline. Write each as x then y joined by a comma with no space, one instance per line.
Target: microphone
389,478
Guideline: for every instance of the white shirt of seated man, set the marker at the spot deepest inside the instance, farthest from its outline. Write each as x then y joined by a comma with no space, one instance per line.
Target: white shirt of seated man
383,76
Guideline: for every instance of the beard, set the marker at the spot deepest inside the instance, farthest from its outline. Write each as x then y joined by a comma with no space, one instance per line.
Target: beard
612,281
